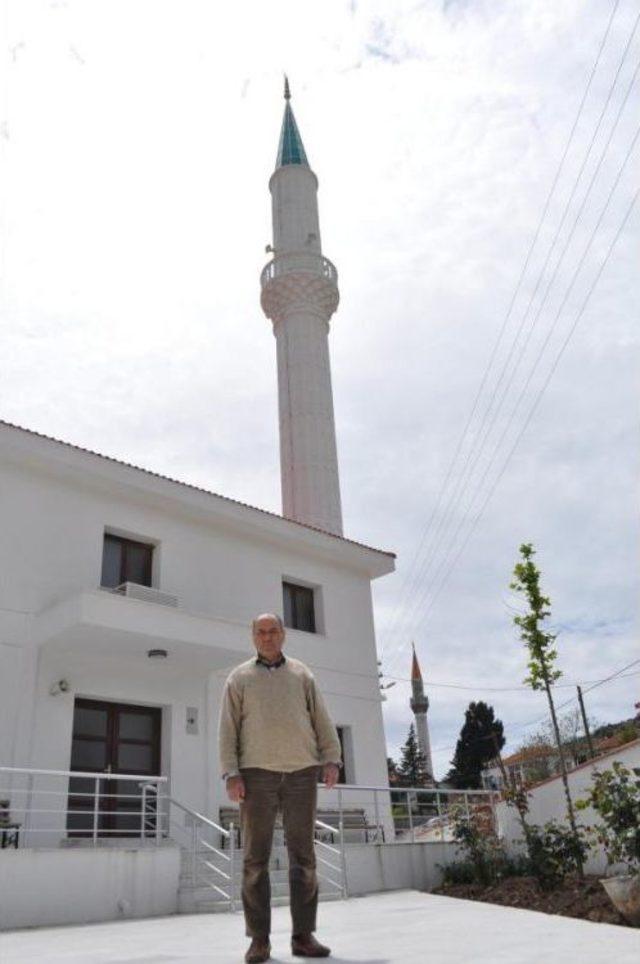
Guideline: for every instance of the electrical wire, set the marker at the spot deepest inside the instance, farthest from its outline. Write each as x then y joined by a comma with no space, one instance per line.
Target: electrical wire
462,439
426,564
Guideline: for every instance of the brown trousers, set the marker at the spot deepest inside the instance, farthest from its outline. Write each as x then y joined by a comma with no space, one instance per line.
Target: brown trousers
295,795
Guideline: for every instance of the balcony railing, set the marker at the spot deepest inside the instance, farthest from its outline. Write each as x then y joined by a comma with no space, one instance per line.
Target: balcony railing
284,264
44,808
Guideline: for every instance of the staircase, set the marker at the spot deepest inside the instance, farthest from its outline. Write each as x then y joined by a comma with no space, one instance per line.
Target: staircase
201,898
211,863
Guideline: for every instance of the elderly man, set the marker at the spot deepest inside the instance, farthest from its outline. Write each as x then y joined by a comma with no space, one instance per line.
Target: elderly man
276,738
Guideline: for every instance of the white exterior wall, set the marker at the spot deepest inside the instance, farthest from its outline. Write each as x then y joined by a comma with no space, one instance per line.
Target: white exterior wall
547,801
223,561
372,868
98,885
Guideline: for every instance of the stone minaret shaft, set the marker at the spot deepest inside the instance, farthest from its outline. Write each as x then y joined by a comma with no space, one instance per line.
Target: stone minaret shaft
420,706
299,295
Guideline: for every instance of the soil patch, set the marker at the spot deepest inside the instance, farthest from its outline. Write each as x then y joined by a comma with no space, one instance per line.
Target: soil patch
573,898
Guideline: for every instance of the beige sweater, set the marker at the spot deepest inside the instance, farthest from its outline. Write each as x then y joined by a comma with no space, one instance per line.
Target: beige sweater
275,719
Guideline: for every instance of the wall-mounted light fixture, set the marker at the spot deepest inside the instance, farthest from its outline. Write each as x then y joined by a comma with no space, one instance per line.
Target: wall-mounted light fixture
61,686
157,653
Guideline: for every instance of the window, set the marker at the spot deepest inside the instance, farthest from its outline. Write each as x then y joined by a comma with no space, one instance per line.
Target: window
345,748
299,607
124,560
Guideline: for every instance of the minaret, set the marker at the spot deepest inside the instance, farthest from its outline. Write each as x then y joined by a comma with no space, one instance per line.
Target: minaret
299,295
420,705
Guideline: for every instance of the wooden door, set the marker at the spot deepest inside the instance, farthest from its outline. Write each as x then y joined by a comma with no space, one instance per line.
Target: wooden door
111,738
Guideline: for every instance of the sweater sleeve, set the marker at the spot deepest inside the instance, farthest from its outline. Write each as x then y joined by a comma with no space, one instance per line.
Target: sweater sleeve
326,733
229,729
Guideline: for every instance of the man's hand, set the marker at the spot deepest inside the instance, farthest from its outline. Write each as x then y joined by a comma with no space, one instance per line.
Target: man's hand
330,774
235,789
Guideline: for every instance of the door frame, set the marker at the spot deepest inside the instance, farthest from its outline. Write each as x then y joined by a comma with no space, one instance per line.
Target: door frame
107,824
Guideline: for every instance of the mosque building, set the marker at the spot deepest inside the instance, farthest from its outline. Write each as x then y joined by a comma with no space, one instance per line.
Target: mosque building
126,596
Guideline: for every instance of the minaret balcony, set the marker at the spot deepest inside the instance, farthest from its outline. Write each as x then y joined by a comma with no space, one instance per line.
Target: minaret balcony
299,280
299,261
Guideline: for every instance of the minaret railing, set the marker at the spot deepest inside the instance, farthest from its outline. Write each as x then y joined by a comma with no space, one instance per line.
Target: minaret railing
292,262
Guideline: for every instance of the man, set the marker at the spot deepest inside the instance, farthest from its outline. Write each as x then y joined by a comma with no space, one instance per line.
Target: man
275,737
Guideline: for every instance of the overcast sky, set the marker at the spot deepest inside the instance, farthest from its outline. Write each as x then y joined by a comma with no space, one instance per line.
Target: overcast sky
137,140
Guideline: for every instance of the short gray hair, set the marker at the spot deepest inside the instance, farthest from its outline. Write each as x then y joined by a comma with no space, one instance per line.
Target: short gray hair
271,616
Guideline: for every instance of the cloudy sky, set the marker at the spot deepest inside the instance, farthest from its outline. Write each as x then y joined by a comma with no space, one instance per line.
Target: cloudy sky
137,141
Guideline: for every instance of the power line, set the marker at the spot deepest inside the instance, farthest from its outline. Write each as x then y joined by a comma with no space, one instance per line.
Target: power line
443,524
430,587
505,321
537,721
475,688
538,397
473,457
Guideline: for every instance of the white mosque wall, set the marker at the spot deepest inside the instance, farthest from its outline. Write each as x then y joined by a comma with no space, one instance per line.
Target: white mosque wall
224,563
99,885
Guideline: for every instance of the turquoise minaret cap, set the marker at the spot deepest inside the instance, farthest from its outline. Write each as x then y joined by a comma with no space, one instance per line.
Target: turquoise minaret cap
290,148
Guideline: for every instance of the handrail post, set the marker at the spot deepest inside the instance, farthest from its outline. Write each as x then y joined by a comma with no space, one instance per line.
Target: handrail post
411,829
28,806
143,811
343,859
158,815
96,807
232,867
440,820
194,841
376,810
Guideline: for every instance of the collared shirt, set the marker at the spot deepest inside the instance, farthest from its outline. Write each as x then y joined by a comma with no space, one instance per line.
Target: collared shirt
261,661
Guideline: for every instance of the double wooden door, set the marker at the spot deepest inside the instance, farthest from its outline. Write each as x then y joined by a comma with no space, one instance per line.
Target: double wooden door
111,738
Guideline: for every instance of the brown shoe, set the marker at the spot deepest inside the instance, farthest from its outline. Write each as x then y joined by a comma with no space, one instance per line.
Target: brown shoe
259,950
305,945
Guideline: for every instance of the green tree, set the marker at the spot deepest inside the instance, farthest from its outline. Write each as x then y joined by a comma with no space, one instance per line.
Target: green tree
480,737
542,654
412,769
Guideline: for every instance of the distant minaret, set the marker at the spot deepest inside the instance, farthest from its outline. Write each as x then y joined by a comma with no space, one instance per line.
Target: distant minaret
420,706
299,295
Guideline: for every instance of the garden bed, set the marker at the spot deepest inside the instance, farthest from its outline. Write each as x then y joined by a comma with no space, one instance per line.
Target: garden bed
572,898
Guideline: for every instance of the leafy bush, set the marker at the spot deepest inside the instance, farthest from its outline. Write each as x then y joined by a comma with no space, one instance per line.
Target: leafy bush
555,851
482,850
460,872
615,796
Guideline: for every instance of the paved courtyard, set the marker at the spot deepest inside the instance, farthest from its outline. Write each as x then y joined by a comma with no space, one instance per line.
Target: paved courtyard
394,928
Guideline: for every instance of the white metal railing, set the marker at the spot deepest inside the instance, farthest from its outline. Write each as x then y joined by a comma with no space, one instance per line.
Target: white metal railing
376,814
332,859
44,808
208,865
287,263
145,594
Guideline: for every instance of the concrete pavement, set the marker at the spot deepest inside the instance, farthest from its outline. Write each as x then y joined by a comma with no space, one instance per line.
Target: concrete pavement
392,928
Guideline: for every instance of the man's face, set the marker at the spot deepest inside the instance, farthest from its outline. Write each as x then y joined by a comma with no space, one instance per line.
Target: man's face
268,637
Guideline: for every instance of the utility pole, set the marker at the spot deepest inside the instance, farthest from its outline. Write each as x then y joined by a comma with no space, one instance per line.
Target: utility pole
585,724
